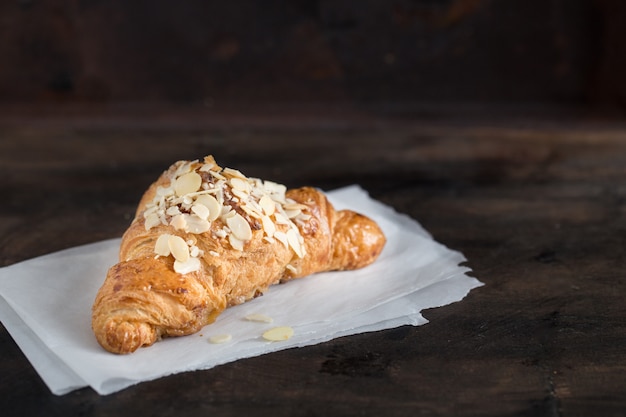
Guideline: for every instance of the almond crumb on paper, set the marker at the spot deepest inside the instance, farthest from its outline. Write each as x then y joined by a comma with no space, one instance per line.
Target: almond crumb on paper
220,338
259,318
278,334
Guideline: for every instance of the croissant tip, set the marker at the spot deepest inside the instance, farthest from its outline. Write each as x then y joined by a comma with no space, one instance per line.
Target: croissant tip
125,337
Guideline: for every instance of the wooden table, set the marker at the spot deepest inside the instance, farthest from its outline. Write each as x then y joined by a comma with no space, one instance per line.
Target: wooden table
537,205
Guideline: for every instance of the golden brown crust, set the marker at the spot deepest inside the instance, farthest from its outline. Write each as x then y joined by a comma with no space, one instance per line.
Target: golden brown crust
143,299
357,241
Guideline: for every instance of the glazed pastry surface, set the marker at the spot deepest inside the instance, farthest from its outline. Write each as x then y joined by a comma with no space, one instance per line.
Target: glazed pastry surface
205,238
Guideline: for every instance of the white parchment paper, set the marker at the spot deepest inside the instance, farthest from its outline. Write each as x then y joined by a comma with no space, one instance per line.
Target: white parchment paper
45,304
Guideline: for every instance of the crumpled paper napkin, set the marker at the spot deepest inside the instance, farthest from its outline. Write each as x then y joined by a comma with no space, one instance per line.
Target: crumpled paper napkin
45,304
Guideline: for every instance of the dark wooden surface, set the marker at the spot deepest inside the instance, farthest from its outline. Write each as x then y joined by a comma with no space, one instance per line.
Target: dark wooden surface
551,51
538,206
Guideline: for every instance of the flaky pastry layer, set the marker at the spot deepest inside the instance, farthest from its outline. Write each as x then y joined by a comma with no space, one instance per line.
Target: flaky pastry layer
185,258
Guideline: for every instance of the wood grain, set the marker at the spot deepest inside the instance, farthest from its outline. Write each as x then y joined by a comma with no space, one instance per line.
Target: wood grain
538,208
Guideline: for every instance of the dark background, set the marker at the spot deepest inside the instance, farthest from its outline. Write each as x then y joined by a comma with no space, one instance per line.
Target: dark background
554,53
499,125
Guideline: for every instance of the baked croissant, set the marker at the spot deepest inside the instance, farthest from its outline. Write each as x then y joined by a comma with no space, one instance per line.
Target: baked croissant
205,238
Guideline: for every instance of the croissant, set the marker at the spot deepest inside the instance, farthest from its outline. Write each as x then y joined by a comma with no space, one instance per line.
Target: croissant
205,238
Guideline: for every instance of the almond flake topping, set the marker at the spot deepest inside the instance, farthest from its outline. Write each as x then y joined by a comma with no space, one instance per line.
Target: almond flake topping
267,204
178,222
201,211
178,248
239,227
191,265
202,198
187,183
162,247
211,204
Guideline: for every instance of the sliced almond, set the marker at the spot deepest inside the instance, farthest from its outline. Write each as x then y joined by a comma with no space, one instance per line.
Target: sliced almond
217,175
268,226
259,318
208,166
210,203
281,237
255,206
233,173
275,189
151,221
190,265
197,225
267,204
201,211
178,248
240,184
187,201
292,205
251,211
281,218
179,222
226,212
210,160
293,238
292,213
163,191
237,244
240,227
241,195
220,338
161,247
278,334
183,167
150,209
187,183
